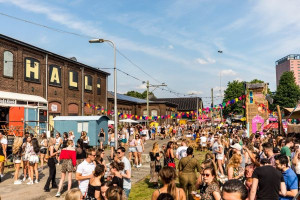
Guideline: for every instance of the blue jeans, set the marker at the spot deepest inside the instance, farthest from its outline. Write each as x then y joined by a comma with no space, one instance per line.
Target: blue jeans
126,191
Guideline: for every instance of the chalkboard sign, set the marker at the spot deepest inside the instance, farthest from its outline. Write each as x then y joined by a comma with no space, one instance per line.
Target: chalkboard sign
10,140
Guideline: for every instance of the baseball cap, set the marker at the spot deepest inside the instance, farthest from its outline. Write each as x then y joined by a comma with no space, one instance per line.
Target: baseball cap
236,146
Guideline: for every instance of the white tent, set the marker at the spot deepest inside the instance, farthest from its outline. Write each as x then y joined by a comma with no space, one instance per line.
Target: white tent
129,121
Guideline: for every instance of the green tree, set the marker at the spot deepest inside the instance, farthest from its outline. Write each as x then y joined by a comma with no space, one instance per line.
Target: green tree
141,95
288,92
260,81
234,90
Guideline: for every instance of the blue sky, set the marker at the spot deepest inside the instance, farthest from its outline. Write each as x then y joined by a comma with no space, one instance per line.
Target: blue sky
175,41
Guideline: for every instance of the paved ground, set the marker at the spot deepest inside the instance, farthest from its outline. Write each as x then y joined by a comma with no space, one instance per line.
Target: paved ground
9,191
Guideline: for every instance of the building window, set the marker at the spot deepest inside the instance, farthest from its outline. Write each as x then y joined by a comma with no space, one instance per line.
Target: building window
98,86
145,113
153,112
88,83
8,69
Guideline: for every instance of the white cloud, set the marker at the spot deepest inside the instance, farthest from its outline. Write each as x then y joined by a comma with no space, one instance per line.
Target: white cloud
238,79
194,92
171,46
228,72
141,87
205,61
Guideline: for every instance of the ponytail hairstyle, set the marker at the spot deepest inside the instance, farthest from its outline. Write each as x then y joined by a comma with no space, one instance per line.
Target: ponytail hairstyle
117,165
168,176
35,145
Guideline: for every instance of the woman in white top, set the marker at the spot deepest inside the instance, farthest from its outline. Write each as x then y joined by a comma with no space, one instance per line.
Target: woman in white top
111,141
71,137
58,141
34,160
25,158
86,139
132,149
140,149
220,155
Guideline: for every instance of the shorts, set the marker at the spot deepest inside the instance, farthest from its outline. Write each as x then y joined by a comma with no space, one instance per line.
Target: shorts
139,149
101,139
2,158
203,145
132,149
43,150
67,166
17,161
219,157
112,144
33,159
26,157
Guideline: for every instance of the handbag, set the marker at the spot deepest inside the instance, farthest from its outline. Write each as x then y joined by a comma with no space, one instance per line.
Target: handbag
157,167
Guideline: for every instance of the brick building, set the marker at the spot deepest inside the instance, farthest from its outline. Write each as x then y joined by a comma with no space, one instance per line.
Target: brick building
63,83
135,106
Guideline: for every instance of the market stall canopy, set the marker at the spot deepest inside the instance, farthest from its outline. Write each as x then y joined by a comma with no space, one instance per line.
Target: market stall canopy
129,121
273,126
111,122
22,97
295,114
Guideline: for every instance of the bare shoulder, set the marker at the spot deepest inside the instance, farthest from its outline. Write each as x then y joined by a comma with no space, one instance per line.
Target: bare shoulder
155,194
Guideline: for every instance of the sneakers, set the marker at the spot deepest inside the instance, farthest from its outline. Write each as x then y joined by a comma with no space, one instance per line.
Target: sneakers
36,181
24,179
1,175
30,182
57,194
140,165
17,182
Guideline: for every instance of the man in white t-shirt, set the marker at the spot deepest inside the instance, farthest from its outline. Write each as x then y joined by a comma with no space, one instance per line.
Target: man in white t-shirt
126,173
203,142
181,151
3,155
85,171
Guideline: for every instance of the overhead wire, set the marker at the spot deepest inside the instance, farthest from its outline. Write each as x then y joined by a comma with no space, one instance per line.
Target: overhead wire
89,37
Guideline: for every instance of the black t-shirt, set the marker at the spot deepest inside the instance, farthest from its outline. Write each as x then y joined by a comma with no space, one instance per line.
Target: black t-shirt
269,180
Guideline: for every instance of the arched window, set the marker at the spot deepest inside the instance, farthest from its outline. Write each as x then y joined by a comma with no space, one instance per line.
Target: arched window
8,69
153,112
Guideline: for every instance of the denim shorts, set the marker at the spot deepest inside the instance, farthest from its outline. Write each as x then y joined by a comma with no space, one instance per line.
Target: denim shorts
132,149
112,144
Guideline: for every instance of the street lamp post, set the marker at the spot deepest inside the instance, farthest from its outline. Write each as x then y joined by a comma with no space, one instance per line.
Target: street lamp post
115,87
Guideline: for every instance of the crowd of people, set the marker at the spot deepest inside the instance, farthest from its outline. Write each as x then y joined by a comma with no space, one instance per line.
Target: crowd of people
262,166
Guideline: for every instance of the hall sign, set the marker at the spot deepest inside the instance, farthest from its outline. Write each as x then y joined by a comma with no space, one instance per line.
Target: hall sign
7,101
33,74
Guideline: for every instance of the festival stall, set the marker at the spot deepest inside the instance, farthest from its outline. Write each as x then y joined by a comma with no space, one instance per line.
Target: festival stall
90,124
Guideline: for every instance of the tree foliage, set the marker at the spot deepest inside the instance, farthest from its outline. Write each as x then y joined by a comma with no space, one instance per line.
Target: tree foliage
234,90
141,95
288,92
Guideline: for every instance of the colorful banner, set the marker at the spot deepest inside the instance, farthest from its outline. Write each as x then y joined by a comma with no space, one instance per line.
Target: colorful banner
178,115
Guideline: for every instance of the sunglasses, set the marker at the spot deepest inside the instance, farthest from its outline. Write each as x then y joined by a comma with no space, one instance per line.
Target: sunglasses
93,155
119,152
206,175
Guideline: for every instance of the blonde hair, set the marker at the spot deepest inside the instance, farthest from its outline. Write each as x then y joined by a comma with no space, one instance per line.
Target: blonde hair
155,148
71,133
18,141
234,161
73,194
83,135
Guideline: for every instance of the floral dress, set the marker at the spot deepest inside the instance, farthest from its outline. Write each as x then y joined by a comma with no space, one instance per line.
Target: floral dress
208,192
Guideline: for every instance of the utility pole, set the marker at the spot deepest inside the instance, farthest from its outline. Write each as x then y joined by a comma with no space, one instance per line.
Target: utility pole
147,102
221,97
212,106
197,124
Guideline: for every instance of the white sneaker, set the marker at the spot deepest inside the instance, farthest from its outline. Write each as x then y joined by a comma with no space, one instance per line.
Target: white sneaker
17,182
140,165
29,179
1,175
36,181
24,179
30,183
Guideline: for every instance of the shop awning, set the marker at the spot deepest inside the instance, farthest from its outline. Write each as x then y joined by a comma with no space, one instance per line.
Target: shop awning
22,97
